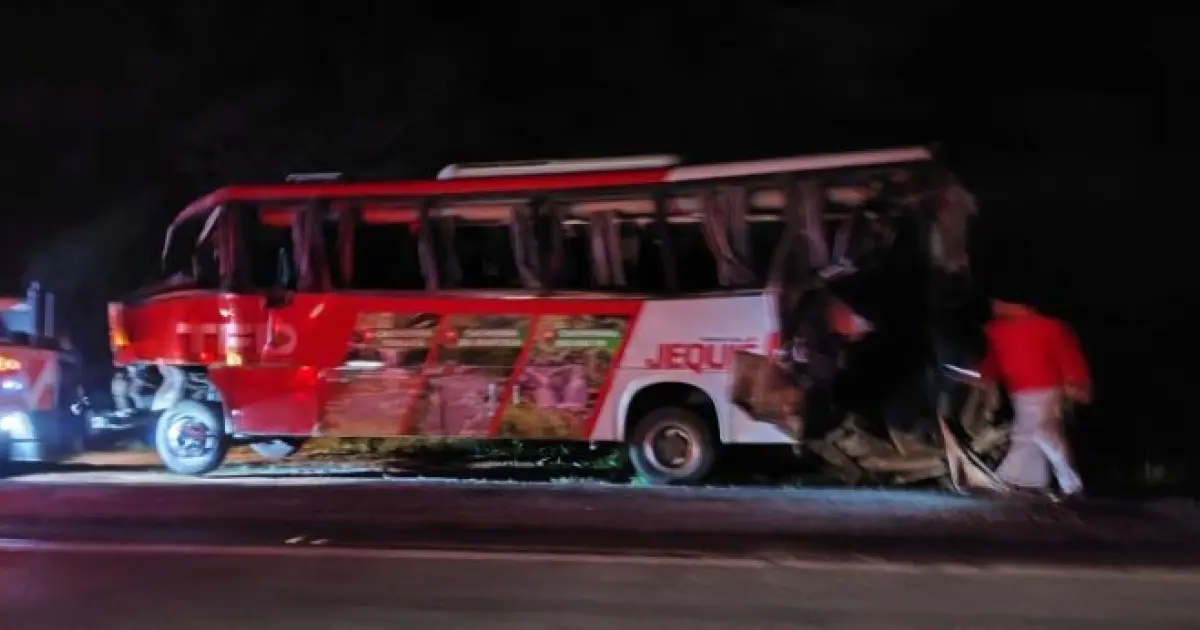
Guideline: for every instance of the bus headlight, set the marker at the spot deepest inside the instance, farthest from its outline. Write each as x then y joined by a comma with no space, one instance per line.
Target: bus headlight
17,425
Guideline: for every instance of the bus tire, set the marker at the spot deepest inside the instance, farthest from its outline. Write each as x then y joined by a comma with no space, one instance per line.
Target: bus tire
190,438
672,446
277,449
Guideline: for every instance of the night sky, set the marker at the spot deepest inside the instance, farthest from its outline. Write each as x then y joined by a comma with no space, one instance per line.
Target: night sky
115,114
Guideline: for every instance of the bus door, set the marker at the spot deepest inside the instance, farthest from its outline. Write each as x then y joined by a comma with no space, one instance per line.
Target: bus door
270,336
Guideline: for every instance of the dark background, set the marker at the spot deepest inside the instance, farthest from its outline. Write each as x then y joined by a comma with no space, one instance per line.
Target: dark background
1068,127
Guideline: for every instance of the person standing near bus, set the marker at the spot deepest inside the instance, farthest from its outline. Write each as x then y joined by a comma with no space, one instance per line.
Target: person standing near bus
1039,361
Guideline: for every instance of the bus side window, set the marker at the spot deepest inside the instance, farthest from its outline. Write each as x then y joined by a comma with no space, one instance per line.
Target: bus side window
264,242
697,267
485,252
642,257
636,245
765,233
576,272
385,256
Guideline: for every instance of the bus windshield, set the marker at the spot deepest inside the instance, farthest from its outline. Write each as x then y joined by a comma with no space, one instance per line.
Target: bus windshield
190,254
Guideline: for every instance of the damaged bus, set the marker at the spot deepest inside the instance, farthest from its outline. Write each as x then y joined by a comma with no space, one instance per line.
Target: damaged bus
675,308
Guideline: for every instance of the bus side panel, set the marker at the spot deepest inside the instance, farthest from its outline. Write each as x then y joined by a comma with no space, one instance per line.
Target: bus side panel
383,366
268,376
692,342
176,328
562,380
376,365
614,419
268,400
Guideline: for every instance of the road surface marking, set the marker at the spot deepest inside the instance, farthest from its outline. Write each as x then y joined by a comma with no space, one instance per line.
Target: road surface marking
862,564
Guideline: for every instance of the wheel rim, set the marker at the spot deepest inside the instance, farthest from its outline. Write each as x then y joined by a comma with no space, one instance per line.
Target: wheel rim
672,448
189,437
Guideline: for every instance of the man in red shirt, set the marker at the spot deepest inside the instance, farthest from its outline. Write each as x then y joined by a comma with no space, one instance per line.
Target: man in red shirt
1039,361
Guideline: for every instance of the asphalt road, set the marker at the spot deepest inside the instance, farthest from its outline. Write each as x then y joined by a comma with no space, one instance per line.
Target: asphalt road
352,554
116,591
714,522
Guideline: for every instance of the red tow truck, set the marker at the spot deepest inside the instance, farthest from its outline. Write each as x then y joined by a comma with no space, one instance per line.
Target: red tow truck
41,419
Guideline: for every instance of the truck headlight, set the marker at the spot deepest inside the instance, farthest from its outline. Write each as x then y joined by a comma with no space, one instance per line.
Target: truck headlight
17,425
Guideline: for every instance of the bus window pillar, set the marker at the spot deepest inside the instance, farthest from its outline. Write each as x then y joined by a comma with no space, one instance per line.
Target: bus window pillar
607,269
663,237
525,246
427,251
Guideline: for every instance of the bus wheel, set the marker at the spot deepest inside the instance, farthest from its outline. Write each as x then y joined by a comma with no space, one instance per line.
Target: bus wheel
277,449
672,445
190,438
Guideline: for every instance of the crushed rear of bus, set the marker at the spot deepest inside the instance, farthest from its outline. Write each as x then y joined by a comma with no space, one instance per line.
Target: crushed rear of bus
807,301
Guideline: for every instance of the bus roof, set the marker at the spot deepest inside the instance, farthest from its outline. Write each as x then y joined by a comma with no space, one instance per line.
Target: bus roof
556,181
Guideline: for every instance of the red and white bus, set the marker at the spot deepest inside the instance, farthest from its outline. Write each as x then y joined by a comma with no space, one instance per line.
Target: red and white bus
598,300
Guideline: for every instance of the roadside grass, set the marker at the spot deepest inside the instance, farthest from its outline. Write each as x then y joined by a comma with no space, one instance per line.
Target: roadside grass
445,449
548,461
516,460
568,462
462,450
476,459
